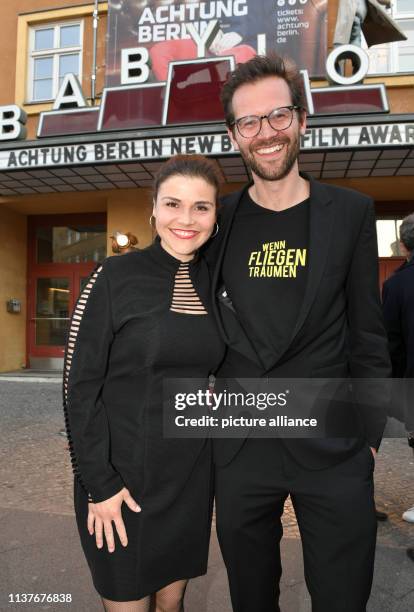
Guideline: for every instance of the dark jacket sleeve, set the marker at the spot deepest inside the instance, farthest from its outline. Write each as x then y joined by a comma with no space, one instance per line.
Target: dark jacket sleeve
391,305
369,357
86,359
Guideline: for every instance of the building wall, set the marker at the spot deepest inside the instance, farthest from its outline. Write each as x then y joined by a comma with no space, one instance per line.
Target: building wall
54,204
381,188
400,88
13,255
129,210
17,16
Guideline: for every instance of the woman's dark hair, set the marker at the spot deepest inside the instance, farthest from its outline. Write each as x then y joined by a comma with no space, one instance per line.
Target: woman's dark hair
188,165
256,69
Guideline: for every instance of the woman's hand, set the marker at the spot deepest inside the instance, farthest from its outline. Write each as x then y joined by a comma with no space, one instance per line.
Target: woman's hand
101,515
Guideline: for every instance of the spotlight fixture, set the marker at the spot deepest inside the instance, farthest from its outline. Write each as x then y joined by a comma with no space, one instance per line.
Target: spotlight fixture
123,242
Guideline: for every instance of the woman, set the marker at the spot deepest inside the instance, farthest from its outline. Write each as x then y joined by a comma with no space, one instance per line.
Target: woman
143,502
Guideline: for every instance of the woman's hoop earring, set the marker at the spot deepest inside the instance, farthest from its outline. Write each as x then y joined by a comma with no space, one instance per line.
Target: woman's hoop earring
216,232
151,220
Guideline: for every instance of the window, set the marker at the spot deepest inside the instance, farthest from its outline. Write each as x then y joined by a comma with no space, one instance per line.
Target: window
396,57
70,244
55,50
388,234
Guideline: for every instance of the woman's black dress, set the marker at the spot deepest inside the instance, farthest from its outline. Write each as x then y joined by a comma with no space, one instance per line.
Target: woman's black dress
127,334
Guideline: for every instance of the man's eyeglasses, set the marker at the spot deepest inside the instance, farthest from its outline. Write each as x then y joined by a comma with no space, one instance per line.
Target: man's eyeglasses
279,119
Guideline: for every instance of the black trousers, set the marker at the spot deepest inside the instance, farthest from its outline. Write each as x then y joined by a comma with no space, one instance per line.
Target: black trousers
336,517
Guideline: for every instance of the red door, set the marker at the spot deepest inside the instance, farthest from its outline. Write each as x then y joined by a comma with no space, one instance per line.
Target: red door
62,252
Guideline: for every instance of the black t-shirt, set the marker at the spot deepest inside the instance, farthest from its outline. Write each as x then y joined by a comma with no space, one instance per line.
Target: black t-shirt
264,271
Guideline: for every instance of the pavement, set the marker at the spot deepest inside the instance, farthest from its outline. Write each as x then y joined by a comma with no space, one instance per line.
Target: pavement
39,546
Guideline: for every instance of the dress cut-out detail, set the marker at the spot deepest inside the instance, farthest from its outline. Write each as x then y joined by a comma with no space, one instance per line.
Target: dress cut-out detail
185,298
70,348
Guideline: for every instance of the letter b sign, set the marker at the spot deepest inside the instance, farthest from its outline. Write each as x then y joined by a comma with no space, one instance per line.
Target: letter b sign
12,123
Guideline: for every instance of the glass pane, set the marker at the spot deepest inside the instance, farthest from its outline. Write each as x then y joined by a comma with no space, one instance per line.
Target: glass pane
380,59
75,244
52,311
69,36
406,48
387,233
406,62
43,90
43,39
68,63
51,333
404,6
43,68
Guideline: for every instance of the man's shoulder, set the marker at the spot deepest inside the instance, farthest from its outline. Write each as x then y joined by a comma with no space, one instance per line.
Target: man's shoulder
345,195
391,282
405,271
230,200
400,277
351,208
347,198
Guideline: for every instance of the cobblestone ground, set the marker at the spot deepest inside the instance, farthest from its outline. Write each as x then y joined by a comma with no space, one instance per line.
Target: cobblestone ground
35,467
36,476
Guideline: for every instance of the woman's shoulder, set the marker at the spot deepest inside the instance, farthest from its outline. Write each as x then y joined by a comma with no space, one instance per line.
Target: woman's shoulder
123,264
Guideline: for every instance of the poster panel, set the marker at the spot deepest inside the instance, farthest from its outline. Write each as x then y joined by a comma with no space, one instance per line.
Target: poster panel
294,28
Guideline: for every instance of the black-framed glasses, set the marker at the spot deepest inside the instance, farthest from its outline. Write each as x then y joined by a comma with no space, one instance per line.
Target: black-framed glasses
279,119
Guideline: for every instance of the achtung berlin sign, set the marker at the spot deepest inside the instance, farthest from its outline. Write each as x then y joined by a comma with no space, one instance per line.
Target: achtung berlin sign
385,135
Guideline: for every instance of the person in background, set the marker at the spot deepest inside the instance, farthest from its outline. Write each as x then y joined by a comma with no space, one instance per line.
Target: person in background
398,308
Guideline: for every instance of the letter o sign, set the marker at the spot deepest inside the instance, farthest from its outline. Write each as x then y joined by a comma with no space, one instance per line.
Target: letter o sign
347,51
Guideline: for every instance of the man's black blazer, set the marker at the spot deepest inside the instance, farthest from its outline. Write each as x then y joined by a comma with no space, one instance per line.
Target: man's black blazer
339,331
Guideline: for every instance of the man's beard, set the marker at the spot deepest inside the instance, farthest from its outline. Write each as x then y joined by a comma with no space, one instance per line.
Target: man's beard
280,169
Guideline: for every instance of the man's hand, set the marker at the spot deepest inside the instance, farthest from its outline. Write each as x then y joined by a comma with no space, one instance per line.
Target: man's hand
373,451
101,515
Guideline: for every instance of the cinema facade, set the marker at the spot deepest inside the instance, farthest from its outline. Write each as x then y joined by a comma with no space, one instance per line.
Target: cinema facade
94,96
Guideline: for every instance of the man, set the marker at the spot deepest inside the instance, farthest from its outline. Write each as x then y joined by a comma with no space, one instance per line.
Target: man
321,320
398,307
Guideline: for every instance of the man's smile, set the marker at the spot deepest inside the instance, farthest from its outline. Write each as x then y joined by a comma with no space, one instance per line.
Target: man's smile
270,150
